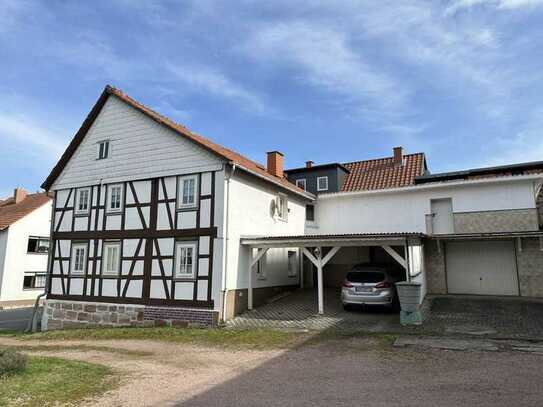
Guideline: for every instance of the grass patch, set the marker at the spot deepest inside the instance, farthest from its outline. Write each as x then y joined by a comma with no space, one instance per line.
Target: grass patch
253,338
52,381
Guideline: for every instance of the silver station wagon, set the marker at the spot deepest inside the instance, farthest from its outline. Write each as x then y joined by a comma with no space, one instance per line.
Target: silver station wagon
371,284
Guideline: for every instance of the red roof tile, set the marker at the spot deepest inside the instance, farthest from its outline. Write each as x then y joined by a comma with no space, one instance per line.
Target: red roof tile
382,173
229,155
10,212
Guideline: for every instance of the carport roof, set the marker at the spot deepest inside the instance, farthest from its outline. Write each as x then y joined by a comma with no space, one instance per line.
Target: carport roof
354,239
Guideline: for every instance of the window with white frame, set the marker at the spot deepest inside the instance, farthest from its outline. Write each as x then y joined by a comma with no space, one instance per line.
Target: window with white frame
82,201
282,207
292,267
188,191
34,280
322,183
111,258
115,198
185,260
301,183
103,149
79,258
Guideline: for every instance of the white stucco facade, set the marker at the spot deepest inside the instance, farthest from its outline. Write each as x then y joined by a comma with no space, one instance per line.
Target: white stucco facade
404,210
15,260
249,214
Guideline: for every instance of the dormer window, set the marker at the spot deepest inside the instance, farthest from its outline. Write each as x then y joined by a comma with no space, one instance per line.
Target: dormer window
103,149
300,183
322,184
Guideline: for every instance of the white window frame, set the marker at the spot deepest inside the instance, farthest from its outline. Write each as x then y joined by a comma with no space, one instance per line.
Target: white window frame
98,146
180,191
318,183
105,259
74,249
178,261
282,207
301,183
109,196
76,203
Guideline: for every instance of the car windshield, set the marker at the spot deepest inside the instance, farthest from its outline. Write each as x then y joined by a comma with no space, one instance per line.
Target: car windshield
365,276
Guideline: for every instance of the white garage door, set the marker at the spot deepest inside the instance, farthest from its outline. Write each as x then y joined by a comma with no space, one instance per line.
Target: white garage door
481,267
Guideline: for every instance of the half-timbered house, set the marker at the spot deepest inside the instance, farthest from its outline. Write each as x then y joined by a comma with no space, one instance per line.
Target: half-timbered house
147,219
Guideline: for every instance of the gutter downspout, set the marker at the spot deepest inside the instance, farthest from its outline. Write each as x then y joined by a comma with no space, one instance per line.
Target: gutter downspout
32,325
226,239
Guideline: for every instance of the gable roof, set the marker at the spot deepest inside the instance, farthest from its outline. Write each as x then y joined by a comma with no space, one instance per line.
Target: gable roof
10,212
225,153
382,173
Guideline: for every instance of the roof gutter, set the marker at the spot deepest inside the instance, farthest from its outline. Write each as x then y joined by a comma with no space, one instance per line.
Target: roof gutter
435,185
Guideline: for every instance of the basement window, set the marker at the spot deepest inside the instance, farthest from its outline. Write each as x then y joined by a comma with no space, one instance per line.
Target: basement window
38,245
103,149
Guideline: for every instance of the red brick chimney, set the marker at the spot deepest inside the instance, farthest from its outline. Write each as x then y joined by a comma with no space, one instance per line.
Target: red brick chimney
19,194
308,164
275,163
398,156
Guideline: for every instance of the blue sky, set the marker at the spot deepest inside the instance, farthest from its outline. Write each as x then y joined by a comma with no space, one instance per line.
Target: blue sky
328,81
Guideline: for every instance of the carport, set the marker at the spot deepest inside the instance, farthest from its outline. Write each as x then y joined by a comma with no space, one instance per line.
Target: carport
313,247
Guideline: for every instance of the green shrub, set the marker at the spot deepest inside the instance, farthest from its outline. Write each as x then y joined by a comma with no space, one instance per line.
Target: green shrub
11,362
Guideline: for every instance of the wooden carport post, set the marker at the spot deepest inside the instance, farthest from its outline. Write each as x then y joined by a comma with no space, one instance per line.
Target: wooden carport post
320,262
253,261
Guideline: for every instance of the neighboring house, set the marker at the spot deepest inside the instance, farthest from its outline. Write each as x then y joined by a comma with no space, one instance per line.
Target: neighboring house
24,243
153,222
149,215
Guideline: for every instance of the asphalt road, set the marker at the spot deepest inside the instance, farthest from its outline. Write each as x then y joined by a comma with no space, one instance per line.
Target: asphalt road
15,319
349,375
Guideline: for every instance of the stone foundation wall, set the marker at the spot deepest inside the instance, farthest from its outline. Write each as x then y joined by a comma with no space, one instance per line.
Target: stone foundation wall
60,314
514,220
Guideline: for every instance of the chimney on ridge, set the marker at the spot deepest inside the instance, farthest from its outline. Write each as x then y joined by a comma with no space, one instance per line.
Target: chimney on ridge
398,156
19,194
275,163
308,164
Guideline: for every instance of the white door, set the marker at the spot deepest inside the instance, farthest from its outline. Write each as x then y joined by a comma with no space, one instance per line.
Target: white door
442,216
481,267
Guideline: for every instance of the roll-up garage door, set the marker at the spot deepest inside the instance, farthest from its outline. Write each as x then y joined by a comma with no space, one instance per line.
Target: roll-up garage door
481,267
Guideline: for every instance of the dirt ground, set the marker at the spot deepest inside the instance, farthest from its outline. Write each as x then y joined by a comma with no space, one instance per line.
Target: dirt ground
363,371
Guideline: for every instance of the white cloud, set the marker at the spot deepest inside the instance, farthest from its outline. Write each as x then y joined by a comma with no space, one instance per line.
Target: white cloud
208,80
36,140
323,57
499,4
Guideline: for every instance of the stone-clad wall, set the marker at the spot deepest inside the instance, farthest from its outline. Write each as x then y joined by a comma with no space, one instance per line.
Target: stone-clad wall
530,268
514,220
434,260
60,314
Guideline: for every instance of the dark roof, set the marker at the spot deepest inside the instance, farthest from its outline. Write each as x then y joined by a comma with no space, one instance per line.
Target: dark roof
10,212
534,167
223,152
383,173
316,167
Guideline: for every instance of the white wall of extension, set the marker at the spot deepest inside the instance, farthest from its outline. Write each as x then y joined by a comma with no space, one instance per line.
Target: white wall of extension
139,148
15,259
249,215
404,211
